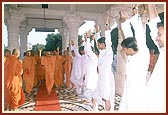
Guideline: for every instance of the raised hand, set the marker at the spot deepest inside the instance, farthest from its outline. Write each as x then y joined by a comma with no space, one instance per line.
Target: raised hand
152,11
89,33
135,9
108,21
124,15
72,42
57,48
108,18
96,27
85,34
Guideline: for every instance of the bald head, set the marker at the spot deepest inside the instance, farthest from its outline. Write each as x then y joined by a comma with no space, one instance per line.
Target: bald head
65,52
16,52
7,52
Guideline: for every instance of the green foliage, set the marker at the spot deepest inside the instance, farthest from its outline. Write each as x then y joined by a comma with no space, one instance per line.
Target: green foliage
114,39
5,47
53,41
37,47
79,40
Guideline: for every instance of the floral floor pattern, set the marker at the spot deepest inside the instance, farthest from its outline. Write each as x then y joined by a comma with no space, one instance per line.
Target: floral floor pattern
69,101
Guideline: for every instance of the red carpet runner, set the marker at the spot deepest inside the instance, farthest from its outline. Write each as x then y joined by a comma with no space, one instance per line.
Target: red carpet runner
45,102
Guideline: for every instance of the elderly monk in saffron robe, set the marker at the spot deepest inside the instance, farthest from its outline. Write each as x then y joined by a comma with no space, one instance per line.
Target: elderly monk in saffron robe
14,95
29,71
49,64
58,77
39,71
67,66
7,53
37,58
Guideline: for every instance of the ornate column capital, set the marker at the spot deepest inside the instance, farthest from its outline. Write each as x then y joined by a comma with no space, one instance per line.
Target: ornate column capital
24,28
73,22
16,16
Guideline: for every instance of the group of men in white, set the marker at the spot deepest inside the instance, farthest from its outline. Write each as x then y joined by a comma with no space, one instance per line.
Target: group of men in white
92,74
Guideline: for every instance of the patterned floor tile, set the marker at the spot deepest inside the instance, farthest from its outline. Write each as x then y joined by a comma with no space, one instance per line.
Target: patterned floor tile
69,101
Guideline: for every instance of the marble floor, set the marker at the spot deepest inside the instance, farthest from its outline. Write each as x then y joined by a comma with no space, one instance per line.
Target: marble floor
69,101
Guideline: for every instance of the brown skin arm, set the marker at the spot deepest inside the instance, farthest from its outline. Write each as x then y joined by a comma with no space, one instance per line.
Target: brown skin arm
152,11
108,22
97,28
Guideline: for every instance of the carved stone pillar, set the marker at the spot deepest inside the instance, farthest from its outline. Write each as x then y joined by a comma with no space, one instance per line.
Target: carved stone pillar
73,22
66,38
13,23
121,65
61,30
23,40
13,34
121,59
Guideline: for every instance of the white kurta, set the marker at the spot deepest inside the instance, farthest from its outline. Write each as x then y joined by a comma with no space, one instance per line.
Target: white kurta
134,94
76,73
84,67
91,77
157,82
106,82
